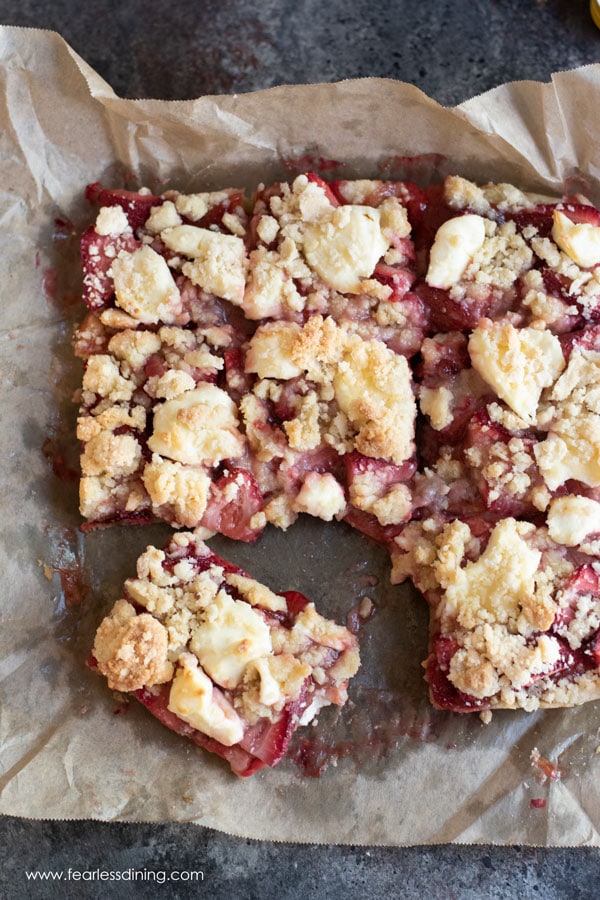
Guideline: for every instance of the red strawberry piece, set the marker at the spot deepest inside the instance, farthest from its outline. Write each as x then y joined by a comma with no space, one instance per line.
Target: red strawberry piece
156,701
98,252
329,189
136,206
234,499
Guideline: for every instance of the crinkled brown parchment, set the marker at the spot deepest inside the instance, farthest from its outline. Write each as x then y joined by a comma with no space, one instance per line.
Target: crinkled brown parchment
395,772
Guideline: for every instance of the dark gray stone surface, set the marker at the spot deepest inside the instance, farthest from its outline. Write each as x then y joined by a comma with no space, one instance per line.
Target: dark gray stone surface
249,870
452,50
182,49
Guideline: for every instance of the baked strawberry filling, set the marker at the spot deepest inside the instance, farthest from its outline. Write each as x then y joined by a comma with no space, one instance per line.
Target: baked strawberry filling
263,744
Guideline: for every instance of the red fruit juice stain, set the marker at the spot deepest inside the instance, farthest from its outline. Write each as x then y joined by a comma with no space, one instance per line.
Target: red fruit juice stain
54,297
360,614
75,590
64,232
313,756
56,456
50,284
67,565
377,727
300,164
412,167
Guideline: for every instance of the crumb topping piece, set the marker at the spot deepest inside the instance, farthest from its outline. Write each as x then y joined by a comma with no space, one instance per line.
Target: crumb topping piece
518,363
321,495
461,193
255,593
231,635
499,587
579,241
198,426
218,260
111,220
572,448
573,518
455,245
131,650
184,489
145,287
371,386
272,351
345,246
194,699
492,659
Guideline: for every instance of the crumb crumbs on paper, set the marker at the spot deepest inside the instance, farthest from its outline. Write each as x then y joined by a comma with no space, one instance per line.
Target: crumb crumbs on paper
486,716
48,570
548,771
366,608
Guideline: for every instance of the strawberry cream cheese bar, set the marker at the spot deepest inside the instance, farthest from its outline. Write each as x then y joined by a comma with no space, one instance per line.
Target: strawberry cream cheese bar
244,367
220,658
506,514
514,613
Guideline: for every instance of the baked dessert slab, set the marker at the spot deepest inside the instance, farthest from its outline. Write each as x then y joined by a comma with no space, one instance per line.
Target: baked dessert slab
507,392
246,361
218,657
423,363
514,615
503,541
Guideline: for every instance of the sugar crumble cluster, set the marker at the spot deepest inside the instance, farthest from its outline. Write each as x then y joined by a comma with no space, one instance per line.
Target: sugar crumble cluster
422,363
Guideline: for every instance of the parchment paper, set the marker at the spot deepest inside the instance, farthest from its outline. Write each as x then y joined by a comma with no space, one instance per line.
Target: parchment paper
398,773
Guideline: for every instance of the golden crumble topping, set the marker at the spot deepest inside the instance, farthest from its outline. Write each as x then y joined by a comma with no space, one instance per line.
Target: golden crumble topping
131,650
